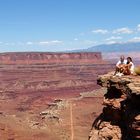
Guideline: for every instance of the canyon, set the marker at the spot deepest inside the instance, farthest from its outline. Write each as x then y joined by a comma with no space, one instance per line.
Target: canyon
50,96
49,58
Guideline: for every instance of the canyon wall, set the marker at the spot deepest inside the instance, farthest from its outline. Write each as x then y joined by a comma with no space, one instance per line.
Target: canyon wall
120,118
35,99
49,58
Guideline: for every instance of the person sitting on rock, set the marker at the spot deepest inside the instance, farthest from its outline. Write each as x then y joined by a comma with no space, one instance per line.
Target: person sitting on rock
120,65
129,67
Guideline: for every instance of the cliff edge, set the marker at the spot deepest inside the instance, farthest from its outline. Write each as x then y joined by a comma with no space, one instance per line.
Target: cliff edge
120,118
50,58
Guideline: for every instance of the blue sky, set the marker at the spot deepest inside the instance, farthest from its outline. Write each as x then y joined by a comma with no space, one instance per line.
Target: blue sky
58,25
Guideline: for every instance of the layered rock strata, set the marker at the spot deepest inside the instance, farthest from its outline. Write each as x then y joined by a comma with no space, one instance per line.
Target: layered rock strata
120,118
49,58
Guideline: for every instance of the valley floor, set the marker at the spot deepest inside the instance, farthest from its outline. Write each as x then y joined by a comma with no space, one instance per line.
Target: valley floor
57,102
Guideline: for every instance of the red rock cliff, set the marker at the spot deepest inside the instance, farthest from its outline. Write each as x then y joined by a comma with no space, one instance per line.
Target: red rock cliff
48,58
120,119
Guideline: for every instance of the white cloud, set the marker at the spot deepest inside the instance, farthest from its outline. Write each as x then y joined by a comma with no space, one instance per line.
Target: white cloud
51,43
114,42
29,43
56,41
135,39
75,39
138,27
100,31
9,44
44,43
124,30
114,38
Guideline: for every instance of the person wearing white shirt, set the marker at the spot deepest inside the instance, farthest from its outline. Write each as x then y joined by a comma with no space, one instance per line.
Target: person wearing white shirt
120,64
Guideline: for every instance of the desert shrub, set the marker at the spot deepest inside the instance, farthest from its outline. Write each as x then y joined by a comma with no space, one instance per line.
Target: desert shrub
137,70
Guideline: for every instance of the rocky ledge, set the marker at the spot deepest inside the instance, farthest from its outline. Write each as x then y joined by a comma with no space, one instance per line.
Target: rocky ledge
120,118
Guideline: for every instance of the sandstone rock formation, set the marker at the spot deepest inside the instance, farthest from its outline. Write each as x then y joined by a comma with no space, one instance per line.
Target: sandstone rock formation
49,58
120,119
36,100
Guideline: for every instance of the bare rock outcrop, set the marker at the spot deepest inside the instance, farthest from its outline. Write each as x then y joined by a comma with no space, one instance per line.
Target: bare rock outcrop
49,58
120,119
